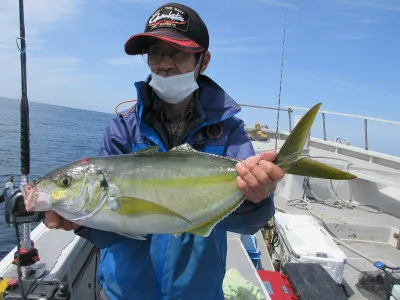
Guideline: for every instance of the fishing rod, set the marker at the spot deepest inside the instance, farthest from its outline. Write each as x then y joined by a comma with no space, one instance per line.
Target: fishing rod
25,142
30,281
27,283
15,212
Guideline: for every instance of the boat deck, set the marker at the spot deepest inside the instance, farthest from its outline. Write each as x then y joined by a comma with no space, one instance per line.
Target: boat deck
372,234
364,229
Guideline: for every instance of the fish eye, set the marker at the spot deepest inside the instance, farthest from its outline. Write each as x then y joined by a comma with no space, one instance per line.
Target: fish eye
64,181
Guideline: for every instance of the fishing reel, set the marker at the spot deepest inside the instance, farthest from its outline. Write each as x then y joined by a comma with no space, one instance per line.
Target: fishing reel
15,210
16,214
28,287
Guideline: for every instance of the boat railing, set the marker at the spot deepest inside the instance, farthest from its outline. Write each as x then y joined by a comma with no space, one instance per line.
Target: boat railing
290,109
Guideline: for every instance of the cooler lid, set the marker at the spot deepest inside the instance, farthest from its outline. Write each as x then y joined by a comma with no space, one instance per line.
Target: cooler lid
306,237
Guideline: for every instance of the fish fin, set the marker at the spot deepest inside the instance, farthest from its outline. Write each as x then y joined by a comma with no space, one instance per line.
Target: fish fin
294,143
289,156
183,148
136,206
146,150
204,228
308,167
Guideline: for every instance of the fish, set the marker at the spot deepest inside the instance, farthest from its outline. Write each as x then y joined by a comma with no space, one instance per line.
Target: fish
149,191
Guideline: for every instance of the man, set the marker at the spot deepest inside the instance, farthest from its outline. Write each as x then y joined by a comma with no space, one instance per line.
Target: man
179,104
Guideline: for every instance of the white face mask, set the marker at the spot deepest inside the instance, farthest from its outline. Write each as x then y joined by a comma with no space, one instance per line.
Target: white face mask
175,89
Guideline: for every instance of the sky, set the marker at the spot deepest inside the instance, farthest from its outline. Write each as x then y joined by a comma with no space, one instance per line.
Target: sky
343,53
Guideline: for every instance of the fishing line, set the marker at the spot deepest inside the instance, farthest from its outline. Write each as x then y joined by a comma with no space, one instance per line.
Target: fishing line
280,84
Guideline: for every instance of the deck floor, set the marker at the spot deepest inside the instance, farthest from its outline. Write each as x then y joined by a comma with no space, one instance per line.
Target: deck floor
370,234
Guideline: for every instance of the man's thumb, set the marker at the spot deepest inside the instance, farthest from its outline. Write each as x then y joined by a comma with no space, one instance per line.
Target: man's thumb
268,156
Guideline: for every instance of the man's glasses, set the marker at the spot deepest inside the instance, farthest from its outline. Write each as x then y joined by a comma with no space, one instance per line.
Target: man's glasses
155,56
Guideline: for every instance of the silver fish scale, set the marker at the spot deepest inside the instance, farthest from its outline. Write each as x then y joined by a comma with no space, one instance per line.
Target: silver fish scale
157,177
165,165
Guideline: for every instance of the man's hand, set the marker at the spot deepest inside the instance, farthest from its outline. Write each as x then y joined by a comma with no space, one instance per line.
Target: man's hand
53,220
258,176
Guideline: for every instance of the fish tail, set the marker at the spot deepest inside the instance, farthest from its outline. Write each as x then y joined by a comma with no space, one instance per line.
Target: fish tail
290,157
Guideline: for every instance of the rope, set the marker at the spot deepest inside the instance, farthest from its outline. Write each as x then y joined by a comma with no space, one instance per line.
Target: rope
129,110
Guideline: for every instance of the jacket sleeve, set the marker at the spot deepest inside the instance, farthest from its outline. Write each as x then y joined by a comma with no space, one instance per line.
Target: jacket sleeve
249,217
115,141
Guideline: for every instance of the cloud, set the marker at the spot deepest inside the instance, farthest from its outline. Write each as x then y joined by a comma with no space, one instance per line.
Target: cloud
389,5
354,17
244,45
38,15
136,60
236,49
318,23
357,18
353,36
286,4
365,21
322,80
51,78
343,13
143,1
48,11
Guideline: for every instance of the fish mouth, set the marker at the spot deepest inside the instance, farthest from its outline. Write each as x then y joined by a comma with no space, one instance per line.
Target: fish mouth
30,195
34,199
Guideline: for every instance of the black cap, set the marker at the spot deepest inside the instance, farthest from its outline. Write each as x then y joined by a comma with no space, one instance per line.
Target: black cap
174,23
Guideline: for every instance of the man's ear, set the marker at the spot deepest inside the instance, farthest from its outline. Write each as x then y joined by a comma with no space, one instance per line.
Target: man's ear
206,61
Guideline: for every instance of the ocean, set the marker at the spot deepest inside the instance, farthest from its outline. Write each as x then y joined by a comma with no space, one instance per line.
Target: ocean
58,135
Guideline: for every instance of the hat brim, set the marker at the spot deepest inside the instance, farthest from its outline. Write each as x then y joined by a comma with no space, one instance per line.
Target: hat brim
139,43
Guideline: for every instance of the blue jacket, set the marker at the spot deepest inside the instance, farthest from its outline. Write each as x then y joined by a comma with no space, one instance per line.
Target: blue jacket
167,267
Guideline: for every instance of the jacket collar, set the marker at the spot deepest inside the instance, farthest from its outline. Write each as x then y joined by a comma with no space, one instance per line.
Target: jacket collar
214,101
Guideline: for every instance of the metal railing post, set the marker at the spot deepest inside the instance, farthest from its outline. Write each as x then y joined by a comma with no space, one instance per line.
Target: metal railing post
324,125
366,134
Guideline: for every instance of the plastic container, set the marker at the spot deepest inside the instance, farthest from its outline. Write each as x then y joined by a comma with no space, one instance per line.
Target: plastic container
277,285
396,292
304,240
250,244
256,259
